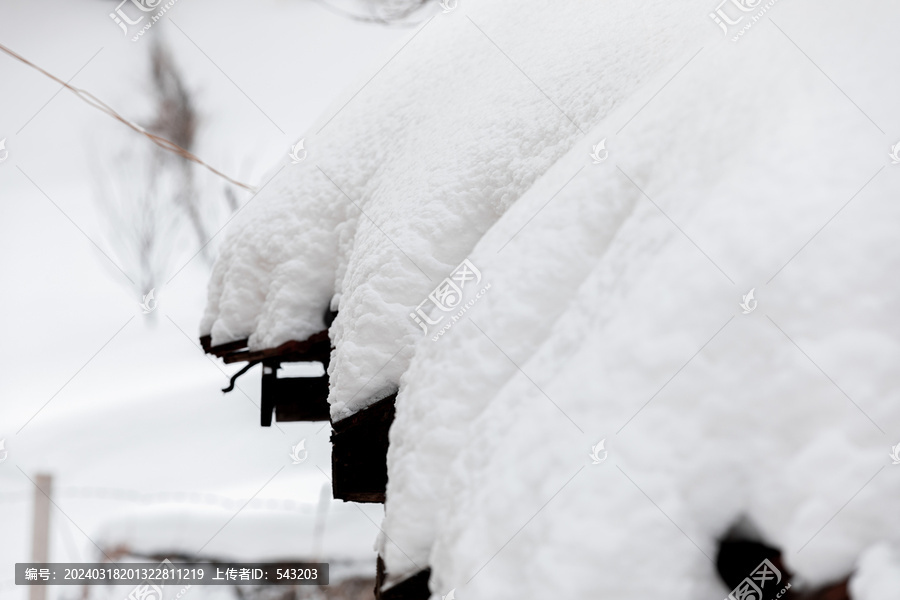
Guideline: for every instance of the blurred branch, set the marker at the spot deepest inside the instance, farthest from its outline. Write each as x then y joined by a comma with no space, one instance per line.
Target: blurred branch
176,119
163,143
150,199
141,231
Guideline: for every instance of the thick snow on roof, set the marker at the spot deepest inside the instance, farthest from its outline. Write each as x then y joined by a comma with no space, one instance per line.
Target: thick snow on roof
613,310
403,180
614,315
878,575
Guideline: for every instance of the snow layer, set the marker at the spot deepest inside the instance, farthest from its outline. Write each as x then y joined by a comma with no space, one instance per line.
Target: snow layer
878,574
622,309
613,312
398,187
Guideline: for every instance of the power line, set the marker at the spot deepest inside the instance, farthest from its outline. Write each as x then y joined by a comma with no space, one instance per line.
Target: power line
100,105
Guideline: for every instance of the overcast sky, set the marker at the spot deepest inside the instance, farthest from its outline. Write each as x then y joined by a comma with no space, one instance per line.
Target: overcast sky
93,390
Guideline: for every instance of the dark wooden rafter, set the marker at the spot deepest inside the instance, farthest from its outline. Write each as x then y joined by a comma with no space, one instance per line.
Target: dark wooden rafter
359,442
316,347
737,559
359,445
289,398
235,377
414,587
221,349
292,398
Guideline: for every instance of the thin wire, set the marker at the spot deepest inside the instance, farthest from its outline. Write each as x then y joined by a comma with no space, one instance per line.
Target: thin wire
100,105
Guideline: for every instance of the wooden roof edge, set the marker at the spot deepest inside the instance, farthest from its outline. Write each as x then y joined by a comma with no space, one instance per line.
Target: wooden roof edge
221,349
309,349
412,587
237,350
374,412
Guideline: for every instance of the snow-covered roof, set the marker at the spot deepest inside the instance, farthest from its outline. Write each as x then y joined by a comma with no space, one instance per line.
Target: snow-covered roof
399,184
620,308
623,294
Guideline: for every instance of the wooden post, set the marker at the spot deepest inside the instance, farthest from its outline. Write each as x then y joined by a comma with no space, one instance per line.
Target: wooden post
414,587
321,518
40,538
359,447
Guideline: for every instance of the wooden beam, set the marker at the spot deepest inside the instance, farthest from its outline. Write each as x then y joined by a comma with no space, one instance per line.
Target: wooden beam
221,349
293,398
414,587
315,348
738,558
40,531
292,351
359,453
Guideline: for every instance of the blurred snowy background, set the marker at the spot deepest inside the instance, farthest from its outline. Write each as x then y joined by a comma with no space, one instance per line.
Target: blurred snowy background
121,407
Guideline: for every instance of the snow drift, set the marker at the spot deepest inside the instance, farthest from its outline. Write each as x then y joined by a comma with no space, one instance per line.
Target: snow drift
402,182
619,307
